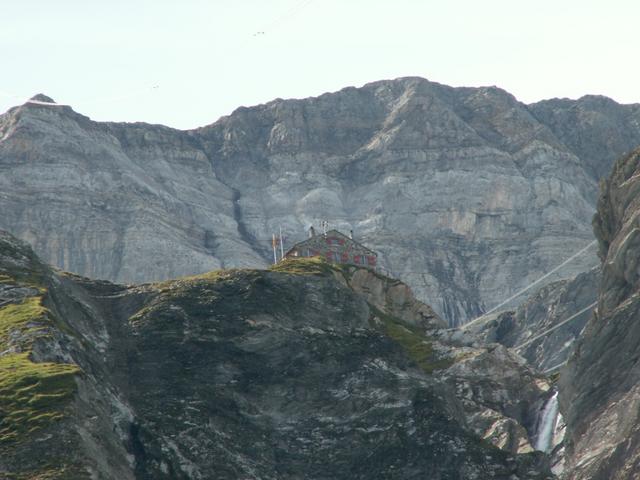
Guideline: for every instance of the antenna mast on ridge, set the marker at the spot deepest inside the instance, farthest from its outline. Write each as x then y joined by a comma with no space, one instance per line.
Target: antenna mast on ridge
273,244
281,245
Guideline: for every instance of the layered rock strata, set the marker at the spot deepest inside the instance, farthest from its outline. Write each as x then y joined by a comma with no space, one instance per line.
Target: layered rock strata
467,193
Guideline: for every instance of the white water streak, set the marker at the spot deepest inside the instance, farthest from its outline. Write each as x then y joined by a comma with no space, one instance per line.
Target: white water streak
547,425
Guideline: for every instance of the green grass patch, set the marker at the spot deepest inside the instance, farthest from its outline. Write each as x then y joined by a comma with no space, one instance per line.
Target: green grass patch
184,284
417,345
194,294
29,315
27,269
25,279
32,395
305,266
193,280
319,266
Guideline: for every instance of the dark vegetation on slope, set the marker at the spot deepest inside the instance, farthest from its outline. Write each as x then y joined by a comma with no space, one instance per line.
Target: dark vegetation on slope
35,395
248,374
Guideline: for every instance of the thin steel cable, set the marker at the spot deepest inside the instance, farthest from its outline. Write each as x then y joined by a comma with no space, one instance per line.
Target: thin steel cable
549,370
555,327
528,287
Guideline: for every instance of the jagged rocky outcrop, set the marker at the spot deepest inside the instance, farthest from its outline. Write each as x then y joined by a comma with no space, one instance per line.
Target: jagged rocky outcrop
304,371
467,193
545,309
599,388
594,127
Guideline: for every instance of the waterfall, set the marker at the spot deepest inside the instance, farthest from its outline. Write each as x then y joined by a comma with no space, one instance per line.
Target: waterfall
547,425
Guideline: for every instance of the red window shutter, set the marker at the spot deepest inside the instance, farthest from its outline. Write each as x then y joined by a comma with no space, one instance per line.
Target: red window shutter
371,260
356,259
344,257
341,241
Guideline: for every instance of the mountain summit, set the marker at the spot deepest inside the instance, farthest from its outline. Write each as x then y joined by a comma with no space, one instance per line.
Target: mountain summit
40,97
468,194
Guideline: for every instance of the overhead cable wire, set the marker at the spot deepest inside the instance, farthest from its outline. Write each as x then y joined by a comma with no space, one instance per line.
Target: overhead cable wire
133,93
556,367
528,287
555,327
285,16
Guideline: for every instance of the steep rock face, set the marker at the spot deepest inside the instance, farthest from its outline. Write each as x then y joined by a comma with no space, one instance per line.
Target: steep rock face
467,193
110,200
463,191
595,128
277,374
599,387
544,310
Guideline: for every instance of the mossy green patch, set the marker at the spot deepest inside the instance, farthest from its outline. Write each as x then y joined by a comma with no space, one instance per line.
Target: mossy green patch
25,268
193,294
417,345
319,266
197,286
193,280
34,278
28,315
32,395
305,266
25,279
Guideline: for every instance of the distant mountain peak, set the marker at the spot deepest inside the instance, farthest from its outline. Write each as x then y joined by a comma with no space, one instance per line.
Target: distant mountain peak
41,97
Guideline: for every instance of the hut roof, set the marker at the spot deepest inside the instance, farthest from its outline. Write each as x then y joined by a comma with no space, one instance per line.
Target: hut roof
331,233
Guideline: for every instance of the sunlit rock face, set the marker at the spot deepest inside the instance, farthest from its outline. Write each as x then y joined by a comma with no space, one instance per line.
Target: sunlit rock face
599,389
466,193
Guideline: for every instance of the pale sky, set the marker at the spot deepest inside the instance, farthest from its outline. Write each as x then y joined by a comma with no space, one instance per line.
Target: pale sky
186,63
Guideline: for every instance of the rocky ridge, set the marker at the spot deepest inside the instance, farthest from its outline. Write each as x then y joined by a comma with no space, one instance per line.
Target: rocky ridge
467,193
543,310
599,387
306,370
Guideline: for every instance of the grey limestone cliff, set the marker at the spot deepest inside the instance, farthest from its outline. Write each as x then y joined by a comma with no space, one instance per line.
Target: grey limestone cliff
467,193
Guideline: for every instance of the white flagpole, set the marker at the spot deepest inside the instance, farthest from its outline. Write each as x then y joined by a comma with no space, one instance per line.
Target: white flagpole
281,245
273,244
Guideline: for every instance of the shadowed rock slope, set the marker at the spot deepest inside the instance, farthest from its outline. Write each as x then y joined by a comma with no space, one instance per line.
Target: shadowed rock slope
542,311
599,389
467,193
304,371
